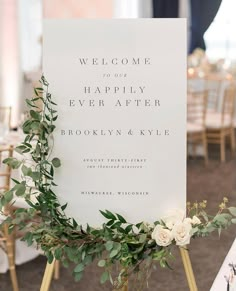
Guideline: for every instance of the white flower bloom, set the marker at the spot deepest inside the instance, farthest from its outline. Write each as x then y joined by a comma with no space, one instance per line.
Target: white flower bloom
188,220
195,220
181,233
174,216
162,236
169,224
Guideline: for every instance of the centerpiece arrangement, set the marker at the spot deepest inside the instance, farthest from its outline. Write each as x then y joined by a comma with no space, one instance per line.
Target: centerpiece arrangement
133,247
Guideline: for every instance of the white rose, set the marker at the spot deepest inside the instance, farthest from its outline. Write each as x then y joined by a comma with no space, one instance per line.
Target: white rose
162,236
176,215
169,224
195,220
188,220
181,233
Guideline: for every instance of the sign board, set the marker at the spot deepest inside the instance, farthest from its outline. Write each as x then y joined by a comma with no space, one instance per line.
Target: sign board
120,86
226,277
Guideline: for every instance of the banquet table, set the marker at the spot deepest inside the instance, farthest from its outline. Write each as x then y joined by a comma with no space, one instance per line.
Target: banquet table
23,252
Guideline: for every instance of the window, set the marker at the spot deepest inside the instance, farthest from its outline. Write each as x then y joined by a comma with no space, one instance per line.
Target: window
30,14
221,36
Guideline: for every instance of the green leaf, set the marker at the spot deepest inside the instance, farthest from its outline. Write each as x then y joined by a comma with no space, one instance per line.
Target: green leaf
63,207
104,214
56,162
87,260
117,246
35,92
79,268
109,245
75,224
116,225
111,215
233,220
142,238
105,277
49,257
35,115
121,218
58,253
107,214
29,239
20,190
26,171
232,210
35,125
8,196
110,222
35,176
39,89
102,263
12,162
128,228
15,181
78,276
113,253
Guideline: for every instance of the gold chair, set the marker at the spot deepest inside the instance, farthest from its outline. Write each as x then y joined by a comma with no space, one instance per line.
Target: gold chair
7,240
196,114
5,115
220,125
214,84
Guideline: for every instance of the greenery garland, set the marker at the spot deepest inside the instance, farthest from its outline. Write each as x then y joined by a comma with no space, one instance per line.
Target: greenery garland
133,246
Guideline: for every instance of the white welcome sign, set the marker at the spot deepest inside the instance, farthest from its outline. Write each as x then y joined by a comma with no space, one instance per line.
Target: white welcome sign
120,86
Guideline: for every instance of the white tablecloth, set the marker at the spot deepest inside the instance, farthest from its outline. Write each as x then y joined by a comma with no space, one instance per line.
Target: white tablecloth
23,252
23,255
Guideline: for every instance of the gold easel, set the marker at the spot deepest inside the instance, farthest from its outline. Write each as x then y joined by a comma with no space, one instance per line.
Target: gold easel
185,259
188,269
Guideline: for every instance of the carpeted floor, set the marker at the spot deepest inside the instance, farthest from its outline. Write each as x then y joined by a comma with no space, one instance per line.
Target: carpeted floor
211,183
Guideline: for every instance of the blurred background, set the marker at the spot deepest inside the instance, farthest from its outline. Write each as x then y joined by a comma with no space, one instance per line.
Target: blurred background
211,74
211,26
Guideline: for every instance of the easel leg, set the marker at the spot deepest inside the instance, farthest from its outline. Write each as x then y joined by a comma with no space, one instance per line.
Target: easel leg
47,277
57,270
188,269
11,258
125,288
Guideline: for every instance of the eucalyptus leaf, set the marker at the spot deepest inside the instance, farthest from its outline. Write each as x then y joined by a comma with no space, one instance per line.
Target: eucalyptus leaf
232,210
8,196
101,263
113,253
109,245
78,276
56,162
79,268
105,277
20,190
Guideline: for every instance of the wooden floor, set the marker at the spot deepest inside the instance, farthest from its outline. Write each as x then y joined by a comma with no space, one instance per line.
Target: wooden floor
207,255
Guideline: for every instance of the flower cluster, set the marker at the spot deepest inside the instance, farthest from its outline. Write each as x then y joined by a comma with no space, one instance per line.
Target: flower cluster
175,227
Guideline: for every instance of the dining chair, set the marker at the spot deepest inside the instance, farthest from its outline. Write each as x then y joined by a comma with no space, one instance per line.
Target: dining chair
214,85
7,239
196,114
5,115
220,125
